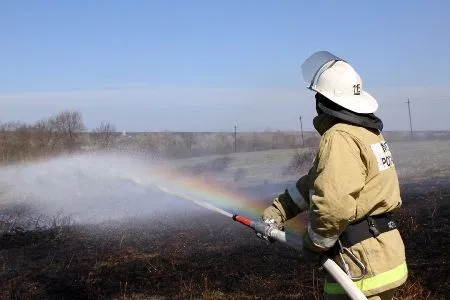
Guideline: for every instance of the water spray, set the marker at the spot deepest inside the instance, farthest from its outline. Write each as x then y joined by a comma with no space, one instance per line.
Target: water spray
269,231
82,173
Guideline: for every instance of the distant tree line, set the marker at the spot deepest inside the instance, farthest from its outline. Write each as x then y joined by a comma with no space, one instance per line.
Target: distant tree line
186,144
61,133
65,132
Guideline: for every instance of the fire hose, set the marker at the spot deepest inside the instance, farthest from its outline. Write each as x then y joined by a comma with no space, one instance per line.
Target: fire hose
266,230
297,243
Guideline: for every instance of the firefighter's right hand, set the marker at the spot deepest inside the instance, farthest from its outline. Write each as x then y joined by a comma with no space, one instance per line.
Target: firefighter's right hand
270,223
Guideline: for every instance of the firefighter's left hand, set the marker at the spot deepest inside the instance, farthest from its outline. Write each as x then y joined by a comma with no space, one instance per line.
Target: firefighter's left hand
273,215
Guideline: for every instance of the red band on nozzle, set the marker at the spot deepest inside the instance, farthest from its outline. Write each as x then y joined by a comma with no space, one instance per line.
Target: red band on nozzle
242,220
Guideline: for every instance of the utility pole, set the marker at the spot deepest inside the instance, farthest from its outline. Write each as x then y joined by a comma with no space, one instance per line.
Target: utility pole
410,122
190,142
301,128
235,138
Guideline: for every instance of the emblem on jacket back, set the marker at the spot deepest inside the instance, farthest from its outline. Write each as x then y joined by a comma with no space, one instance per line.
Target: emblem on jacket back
383,155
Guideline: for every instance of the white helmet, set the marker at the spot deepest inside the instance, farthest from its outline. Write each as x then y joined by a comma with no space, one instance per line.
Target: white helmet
336,79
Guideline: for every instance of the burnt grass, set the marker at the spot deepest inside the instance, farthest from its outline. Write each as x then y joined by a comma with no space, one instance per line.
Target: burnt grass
205,257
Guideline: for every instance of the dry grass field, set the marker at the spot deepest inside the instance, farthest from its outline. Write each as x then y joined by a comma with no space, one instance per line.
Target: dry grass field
207,256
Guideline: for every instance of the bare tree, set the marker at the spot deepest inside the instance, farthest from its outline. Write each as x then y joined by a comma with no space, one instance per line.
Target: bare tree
69,125
43,137
103,135
23,146
6,138
14,141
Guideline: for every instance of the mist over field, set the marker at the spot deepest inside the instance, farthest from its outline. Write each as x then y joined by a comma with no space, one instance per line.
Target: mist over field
87,188
98,186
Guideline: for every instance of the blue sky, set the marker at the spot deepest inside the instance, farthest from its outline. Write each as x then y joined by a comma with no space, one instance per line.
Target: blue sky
207,65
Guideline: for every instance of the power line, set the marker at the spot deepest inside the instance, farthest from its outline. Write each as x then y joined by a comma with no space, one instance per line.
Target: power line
433,99
439,100
417,100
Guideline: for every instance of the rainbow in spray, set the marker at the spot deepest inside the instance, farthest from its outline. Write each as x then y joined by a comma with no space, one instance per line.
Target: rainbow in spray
196,189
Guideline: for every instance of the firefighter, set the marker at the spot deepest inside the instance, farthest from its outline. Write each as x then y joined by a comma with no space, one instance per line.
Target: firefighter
352,189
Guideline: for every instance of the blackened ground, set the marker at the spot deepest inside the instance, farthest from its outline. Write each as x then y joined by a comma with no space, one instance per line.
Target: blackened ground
208,257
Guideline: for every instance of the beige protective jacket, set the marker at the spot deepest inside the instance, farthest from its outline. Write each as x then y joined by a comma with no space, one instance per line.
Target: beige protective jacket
353,176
